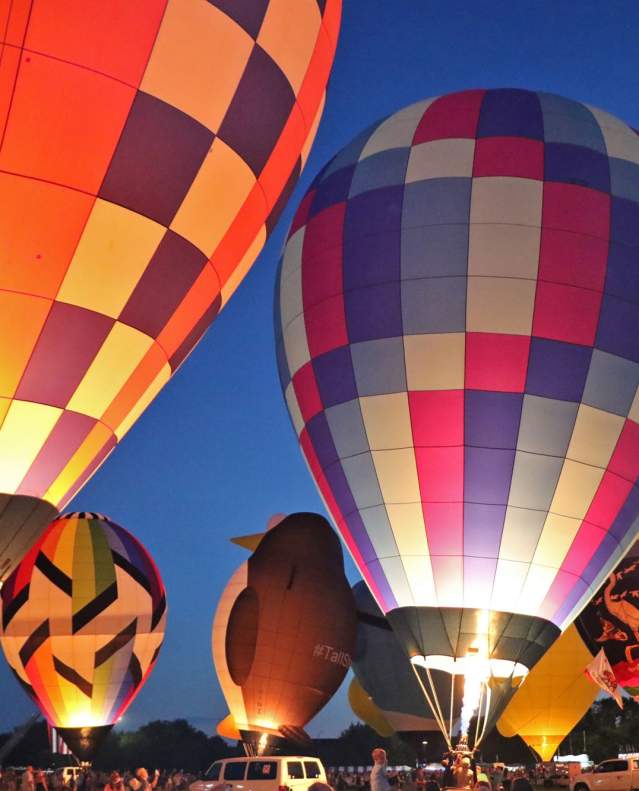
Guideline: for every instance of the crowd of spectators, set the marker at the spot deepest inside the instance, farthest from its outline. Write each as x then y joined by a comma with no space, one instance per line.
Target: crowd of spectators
74,779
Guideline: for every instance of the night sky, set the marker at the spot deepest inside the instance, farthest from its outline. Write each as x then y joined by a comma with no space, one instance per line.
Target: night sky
214,456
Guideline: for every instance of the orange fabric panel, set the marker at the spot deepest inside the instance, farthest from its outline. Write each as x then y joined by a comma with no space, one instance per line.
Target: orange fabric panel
284,156
64,124
332,20
21,319
314,84
14,19
240,235
9,64
114,38
40,225
146,371
200,297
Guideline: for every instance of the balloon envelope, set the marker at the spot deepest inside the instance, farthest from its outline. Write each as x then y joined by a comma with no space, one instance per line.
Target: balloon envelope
147,151
458,345
364,707
284,630
554,697
611,621
83,619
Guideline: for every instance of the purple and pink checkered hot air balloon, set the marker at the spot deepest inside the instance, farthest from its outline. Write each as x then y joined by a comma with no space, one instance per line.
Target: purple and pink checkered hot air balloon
458,345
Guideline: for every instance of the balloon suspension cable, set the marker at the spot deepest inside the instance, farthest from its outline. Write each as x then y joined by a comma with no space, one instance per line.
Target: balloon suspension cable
477,721
452,705
433,706
479,737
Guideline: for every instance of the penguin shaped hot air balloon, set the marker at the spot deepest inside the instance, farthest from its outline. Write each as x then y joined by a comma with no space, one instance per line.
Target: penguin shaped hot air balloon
147,150
82,622
284,632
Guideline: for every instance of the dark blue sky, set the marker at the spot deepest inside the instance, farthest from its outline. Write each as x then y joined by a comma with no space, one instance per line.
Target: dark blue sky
214,456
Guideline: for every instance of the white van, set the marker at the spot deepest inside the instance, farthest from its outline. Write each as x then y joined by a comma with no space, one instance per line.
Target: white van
262,773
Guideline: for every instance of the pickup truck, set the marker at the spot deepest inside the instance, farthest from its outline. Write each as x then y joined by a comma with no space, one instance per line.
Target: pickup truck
617,774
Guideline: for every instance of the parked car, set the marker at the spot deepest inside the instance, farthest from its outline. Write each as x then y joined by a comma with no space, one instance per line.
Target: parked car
263,773
617,774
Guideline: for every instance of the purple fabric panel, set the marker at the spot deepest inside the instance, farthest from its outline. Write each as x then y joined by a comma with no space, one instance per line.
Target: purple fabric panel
483,526
576,165
570,601
377,573
335,377
557,370
511,113
491,420
618,331
322,440
374,312
487,475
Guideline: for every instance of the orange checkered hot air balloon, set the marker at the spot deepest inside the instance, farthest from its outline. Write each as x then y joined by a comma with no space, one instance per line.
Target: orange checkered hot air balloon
146,151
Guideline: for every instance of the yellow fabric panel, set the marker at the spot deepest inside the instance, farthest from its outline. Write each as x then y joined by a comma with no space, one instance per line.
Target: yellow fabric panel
186,71
553,698
594,436
153,389
241,270
502,199
575,489
397,475
407,523
634,409
555,540
290,38
387,421
114,250
203,220
118,357
499,304
435,361
81,459
26,427
366,709
441,159
21,320
504,250
5,403
419,573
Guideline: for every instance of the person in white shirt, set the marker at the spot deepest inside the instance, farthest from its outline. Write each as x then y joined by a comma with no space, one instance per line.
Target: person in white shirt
379,781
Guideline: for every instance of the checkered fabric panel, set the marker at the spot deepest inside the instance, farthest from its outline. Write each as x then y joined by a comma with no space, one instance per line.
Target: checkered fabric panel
138,182
457,325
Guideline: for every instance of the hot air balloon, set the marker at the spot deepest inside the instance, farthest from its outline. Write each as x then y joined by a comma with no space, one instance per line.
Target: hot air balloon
457,323
555,696
383,671
284,632
364,707
83,618
611,621
147,151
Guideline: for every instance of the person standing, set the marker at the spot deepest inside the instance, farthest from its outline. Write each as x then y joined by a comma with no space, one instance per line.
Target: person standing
379,781
141,780
26,781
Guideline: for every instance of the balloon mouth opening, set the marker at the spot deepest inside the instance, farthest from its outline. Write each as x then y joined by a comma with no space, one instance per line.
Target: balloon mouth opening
472,665
478,672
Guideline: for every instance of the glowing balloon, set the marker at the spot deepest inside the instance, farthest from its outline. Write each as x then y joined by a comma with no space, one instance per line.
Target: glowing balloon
147,151
554,697
83,618
458,345
284,632
611,621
